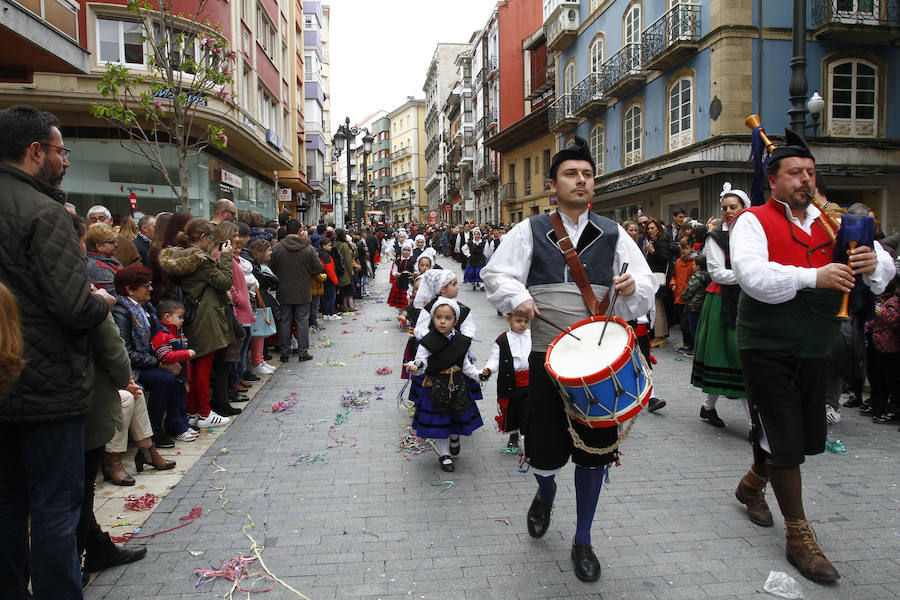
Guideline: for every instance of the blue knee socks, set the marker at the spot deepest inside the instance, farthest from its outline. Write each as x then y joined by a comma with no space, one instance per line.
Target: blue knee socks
587,491
546,488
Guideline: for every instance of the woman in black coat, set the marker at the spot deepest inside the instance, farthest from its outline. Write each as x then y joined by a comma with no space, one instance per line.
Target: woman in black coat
658,252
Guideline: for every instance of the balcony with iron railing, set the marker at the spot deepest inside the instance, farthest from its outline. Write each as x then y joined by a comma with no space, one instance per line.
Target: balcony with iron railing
399,154
507,192
672,37
560,116
561,22
587,96
432,145
623,73
488,123
869,21
491,67
401,178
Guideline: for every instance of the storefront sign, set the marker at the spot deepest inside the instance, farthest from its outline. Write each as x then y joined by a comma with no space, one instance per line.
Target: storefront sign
326,208
284,195
432,217
229,178
190,98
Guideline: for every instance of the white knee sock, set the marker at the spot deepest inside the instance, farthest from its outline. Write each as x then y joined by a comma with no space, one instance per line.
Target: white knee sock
710,402
443,446
746,404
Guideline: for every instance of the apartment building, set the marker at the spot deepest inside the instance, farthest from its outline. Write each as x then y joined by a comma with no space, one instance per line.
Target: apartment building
661,91
407,139
258,114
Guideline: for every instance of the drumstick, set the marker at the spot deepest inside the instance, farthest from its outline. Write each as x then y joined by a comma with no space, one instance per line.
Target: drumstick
552,324
611,304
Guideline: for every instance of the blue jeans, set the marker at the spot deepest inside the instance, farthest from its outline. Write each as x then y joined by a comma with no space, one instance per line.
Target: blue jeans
43,480
328,298
161,399
314,311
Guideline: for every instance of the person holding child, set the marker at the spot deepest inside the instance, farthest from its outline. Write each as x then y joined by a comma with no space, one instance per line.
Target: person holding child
171,346
509,360
445,405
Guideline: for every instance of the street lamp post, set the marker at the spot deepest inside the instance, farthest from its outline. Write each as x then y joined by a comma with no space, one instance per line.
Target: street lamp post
451,170
412,198
347,133
800,106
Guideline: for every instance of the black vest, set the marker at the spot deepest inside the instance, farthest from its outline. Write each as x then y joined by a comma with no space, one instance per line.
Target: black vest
506,372
596,248
445,353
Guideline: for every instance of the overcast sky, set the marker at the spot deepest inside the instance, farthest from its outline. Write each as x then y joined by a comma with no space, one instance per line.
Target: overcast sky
380,50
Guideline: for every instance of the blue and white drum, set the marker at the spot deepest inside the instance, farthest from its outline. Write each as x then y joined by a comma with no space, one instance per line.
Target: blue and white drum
602,385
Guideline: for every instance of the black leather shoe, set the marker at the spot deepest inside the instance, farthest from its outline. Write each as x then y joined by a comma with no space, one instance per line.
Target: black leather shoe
227,410
587,567
866,410
113,556
305,356
238,397
454,446
539,517
285,358
712,417
250,377
447,464
853,401
161,440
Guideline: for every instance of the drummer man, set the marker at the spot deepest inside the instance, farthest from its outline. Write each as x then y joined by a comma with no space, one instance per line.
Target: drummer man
781,254
528,274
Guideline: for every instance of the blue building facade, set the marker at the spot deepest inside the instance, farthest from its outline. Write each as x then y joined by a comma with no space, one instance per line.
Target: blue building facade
661,90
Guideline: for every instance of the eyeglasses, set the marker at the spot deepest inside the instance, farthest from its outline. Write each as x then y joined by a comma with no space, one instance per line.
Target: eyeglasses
230,211
64,152
643,223
147,285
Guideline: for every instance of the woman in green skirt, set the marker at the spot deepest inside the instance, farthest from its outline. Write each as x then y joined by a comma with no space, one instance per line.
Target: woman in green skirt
717,367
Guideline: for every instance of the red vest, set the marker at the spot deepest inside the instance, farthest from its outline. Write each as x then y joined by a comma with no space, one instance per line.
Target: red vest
788,243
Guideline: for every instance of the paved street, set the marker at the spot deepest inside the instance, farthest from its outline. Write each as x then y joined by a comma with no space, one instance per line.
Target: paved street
361,521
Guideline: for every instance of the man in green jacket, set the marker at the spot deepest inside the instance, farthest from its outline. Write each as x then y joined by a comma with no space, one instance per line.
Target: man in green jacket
42,415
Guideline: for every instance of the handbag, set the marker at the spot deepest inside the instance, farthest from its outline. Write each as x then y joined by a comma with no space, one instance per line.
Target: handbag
660,278
263,320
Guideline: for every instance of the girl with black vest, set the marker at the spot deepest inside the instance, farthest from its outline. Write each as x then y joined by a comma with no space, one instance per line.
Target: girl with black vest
401,273
445,406
477,252
435,284
509,359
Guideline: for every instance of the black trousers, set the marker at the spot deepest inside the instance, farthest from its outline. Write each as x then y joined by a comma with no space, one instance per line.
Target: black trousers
548,444
89,537
787,398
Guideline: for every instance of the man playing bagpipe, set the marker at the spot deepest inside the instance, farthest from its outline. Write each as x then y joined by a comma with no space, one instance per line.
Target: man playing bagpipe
782,253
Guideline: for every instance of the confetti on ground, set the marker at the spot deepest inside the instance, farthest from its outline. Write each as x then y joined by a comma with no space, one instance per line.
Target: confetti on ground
374,535
176,453
138,503
383,371
346,332
278,407
445,484
306,459
224,451
837,446
195,552
412,445
330,362
236,571
326,344
212,430
185,521
509,450
219,469
502,521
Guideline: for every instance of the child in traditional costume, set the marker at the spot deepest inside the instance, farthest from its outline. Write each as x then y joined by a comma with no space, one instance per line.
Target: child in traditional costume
445,406
438,283
401,273
509,359
478,253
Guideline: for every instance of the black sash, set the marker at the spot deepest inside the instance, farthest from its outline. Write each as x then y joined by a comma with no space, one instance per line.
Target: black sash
445,353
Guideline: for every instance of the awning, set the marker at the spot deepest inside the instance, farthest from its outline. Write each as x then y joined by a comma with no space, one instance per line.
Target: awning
291,179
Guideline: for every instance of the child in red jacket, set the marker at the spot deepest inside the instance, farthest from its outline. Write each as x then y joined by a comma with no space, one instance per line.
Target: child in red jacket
172,347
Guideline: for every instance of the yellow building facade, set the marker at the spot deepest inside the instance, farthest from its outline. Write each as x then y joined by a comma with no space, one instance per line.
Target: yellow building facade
524,179
407,138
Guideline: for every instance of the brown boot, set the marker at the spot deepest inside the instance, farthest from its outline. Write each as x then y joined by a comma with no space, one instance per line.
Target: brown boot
751,492
113,471
804,553
149,456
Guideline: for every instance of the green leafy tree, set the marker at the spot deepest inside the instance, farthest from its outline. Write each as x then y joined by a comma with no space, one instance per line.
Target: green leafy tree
188,62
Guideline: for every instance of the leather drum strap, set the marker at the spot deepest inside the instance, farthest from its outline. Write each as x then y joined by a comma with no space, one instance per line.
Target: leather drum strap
576,268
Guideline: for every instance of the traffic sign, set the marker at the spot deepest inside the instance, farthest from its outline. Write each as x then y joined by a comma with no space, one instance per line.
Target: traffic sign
132,200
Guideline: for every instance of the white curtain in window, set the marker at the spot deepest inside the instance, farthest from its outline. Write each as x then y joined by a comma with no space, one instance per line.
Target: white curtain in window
597,138
853,109
633,127
681,114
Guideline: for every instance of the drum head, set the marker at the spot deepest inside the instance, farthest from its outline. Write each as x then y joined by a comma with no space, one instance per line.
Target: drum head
570,358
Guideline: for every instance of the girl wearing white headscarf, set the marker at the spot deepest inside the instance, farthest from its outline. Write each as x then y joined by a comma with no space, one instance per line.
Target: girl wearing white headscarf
437,283
717,366
419,246
445,403
478,252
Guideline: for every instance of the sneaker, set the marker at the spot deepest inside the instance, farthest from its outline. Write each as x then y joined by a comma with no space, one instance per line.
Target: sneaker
268,366
212,420
262,368
192,421
192,430
853,401
832,416
187,436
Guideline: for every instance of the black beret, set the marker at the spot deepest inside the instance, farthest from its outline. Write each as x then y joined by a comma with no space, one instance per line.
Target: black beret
795,145
577,150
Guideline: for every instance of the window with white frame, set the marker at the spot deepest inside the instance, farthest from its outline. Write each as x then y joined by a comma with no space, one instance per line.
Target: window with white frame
596,54
265,33
681,122
597,142
267,108
853,109
246,86
632,129
633,24
569,77
120,42
595,4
